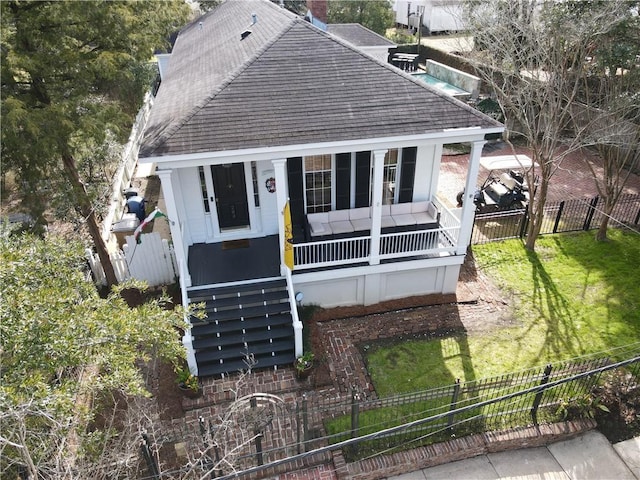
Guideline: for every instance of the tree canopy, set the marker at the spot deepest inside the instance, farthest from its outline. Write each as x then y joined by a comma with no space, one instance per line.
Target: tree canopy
63,345
529,53
376,15
71,73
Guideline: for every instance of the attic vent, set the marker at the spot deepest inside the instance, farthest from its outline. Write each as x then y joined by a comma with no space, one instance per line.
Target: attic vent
245,34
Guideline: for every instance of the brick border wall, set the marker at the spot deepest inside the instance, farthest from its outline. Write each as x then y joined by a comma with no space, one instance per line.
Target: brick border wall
458,449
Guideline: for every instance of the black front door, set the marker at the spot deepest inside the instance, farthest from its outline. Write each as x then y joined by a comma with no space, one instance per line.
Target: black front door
231,195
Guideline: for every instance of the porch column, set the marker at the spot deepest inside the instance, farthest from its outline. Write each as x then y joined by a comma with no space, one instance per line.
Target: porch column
280,167
376,205
468,207
174,224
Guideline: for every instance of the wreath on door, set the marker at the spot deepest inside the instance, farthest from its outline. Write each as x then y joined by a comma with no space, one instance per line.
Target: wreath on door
270,184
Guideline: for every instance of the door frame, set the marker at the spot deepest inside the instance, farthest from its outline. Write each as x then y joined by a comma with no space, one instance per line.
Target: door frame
233,233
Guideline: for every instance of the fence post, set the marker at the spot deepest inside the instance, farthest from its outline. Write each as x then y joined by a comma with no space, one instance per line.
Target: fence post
355,412
207,462
152,465
558,216
538,397
592,209
305,421
258,435
454,403
355,418
298,425
524,223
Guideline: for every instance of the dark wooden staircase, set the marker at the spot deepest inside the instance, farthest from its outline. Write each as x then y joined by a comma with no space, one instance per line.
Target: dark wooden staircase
249,319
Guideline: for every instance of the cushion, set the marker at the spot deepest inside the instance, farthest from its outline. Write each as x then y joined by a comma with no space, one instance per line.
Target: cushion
318,228
406,219
424,217
360,224
359,213
343,226
320,217
400,209
338,216
387,222
419,206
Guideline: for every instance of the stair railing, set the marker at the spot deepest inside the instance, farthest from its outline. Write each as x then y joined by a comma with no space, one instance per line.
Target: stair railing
297,324
187,338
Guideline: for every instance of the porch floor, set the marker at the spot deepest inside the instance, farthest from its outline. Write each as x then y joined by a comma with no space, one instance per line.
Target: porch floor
236,261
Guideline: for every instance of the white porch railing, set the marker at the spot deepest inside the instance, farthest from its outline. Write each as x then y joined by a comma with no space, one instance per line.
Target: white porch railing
449,221
357,250
332,252
419,242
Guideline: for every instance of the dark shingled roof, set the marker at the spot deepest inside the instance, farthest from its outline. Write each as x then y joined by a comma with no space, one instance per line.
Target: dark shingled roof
286,83
357,35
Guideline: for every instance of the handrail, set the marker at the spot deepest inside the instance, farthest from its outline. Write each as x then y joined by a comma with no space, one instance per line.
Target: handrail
297,324
187,339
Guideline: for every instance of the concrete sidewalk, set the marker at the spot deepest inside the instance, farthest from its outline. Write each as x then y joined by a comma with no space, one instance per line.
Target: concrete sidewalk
588,456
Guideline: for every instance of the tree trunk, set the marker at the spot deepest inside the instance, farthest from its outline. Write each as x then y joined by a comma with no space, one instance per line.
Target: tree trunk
88,213
536,214
601,234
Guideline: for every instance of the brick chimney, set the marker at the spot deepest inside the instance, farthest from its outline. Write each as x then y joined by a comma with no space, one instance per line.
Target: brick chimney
318,9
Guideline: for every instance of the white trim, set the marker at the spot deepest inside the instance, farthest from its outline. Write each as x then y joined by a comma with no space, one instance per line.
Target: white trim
307,277
261,153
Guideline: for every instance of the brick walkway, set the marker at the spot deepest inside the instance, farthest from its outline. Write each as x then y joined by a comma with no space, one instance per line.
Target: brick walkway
572,180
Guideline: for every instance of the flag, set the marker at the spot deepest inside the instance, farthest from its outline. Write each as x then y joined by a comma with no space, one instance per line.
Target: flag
150,218
288,237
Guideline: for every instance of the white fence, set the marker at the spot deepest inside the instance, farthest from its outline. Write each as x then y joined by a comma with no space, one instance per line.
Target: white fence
152,260
122,178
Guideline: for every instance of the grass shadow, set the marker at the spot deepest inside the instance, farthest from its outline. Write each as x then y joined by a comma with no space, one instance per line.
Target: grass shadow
555,310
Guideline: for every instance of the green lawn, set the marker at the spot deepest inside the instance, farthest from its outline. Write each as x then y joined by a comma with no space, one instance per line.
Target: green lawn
571,298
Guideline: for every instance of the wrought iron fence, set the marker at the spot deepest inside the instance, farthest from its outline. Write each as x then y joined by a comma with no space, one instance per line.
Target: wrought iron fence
566,216
313,427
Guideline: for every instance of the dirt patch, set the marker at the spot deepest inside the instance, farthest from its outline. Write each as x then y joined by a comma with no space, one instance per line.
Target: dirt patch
620,394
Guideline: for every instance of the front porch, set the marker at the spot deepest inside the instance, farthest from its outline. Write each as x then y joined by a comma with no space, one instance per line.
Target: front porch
248,260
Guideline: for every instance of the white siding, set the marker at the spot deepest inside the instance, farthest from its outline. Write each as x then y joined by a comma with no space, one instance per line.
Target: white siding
369,285
192,203
268,201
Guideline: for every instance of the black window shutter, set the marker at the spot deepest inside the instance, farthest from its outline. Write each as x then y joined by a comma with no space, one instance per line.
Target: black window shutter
363,178
343,181
296,194
407,174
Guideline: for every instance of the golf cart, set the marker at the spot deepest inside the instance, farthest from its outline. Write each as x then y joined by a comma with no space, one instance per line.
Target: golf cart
505,188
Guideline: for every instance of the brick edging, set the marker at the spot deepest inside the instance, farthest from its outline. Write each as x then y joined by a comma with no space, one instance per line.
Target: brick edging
382,466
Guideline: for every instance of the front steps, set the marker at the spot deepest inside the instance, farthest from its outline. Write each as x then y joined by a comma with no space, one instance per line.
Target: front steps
251,319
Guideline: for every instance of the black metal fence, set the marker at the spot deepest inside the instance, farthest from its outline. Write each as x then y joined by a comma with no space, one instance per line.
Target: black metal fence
566,216
315,426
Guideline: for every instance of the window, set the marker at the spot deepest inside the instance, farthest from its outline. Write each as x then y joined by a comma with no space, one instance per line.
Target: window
254,178
390,176
317,183
203,190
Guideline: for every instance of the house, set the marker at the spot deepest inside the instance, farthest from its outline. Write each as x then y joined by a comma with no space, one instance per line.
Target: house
262,117
436,15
